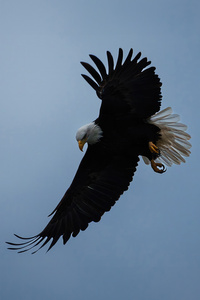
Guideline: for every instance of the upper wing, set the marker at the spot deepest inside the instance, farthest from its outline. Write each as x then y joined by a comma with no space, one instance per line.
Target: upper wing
130,84
100,180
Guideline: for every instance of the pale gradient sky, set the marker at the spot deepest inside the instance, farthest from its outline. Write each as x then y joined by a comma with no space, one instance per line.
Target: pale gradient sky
148,245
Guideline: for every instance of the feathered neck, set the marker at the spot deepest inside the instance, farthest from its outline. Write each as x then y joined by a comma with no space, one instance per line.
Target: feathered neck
90,132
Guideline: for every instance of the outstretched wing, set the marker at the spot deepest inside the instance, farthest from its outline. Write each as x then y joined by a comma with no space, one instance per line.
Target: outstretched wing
131,84
100,180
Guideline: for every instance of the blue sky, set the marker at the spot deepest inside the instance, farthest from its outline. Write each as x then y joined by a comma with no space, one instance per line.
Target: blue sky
148,245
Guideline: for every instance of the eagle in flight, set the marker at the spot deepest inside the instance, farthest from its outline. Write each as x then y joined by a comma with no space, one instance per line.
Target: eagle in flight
129,125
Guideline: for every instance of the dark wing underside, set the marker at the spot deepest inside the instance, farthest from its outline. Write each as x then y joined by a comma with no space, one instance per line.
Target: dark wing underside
96,187
128,90
130,82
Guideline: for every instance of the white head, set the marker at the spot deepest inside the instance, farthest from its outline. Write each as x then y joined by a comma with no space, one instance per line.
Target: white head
90,133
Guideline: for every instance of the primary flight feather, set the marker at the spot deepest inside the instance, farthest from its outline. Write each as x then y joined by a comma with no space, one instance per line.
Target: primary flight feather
129,125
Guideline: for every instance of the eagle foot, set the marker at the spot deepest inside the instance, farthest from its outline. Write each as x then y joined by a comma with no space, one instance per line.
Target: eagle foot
158,167
153,148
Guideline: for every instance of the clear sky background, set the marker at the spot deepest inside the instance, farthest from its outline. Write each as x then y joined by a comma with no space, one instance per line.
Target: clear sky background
148,245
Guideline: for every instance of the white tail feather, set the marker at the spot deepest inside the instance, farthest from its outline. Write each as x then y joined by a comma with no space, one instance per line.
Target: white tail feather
173,143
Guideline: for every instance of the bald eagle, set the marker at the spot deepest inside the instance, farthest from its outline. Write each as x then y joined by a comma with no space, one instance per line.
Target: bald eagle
129,125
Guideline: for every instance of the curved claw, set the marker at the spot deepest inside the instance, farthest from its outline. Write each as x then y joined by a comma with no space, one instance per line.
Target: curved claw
158,167
153,148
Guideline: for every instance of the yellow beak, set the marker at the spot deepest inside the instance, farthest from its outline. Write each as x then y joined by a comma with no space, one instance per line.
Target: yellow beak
81,144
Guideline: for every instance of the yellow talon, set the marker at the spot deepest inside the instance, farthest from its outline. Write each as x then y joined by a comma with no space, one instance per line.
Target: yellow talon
157,167
153,148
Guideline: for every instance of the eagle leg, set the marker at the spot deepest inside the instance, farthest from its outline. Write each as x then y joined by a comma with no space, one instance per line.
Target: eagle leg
153,148
157,167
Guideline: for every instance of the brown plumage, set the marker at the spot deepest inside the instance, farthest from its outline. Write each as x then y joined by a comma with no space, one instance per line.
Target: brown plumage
130,93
